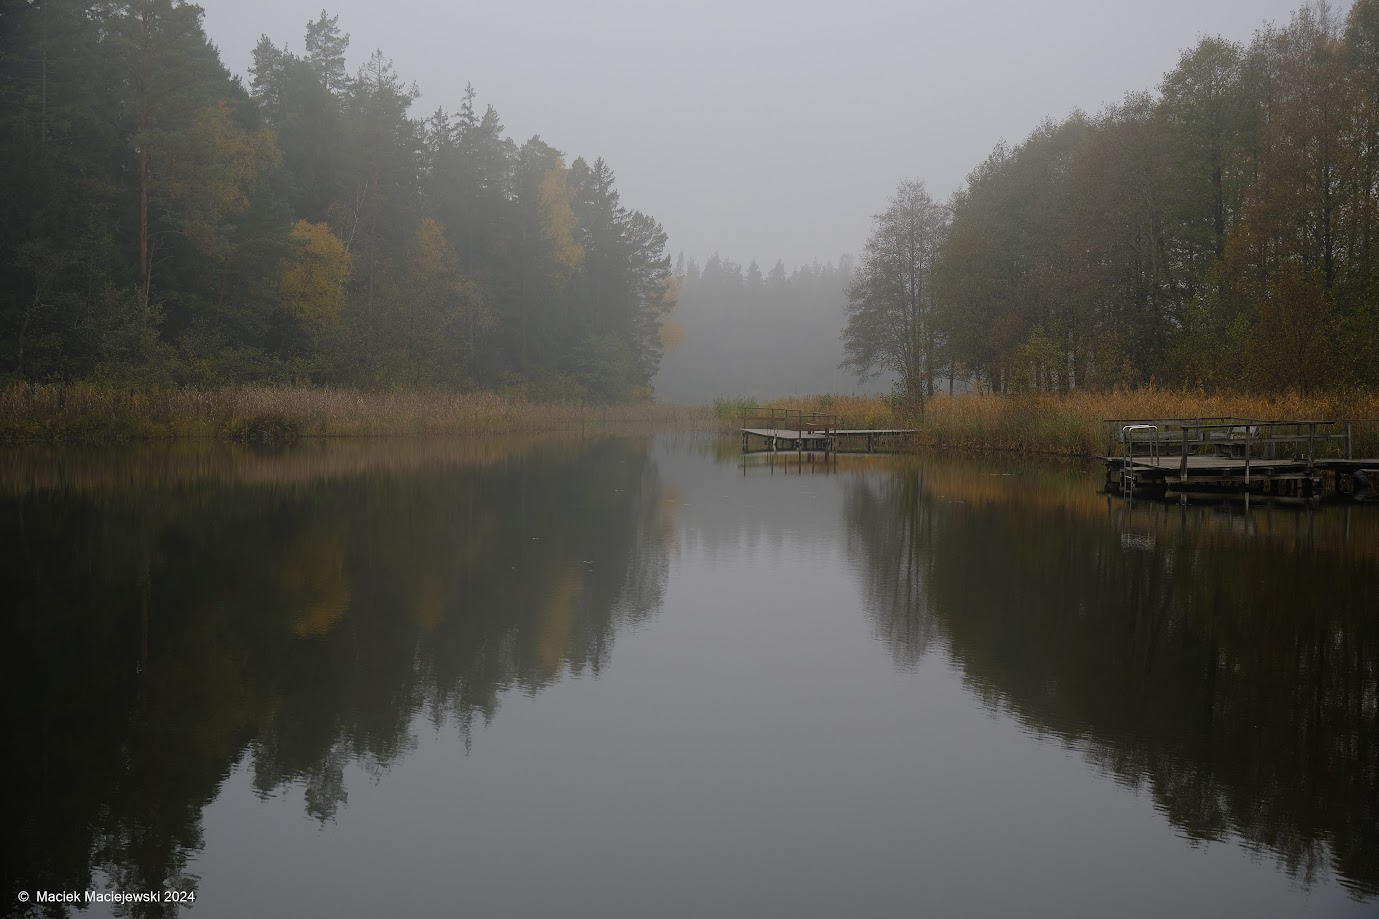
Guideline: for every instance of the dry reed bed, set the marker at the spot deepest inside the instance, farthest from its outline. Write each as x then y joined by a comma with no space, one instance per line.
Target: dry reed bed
94,414
1074,424
1067,425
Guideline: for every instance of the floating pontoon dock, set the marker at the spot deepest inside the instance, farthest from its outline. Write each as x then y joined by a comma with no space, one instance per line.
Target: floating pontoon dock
1243,455
773,430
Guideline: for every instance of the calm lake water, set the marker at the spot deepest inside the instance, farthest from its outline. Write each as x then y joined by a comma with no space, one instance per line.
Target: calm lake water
634,677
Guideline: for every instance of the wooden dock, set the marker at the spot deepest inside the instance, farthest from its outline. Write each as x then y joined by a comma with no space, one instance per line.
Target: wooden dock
776,430
1286,459
1296,460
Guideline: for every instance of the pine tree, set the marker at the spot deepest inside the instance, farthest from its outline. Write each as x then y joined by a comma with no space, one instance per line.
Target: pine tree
325,53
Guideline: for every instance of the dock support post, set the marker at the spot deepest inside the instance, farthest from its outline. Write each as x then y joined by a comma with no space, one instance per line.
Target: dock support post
1182,462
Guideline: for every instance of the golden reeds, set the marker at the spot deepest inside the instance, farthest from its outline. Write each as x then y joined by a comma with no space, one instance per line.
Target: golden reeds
83,412
1073,424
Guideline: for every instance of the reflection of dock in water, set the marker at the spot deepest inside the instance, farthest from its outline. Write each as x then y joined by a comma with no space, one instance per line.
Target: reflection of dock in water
1345,531
776,430
1277,459
810,462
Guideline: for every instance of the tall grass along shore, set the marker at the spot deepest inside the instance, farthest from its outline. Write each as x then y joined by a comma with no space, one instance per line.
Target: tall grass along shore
1072,424
87,413
1066,425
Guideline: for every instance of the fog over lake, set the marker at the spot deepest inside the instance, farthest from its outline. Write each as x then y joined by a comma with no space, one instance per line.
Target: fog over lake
622,459
766,130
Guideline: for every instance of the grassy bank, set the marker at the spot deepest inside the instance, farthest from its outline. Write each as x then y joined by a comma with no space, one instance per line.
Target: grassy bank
1074,424
87,413
1067,425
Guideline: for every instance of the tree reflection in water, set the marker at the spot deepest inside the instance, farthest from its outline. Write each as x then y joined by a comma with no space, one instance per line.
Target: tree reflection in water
297,611
1227,660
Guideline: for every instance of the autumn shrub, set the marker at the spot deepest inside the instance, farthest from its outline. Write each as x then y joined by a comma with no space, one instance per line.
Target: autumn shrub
270,429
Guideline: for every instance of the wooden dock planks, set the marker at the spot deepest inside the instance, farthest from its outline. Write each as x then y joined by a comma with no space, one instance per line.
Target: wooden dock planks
829,440
1278,458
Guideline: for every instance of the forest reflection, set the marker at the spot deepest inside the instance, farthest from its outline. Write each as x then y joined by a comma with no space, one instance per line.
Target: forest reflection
1225,660
297,612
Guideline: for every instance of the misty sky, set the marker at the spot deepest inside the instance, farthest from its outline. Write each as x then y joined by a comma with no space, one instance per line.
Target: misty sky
765,130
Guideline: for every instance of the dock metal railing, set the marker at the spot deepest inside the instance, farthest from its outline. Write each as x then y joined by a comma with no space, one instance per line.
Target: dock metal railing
777,424
1298,439
1248,439
1362,437
790,419
1284,458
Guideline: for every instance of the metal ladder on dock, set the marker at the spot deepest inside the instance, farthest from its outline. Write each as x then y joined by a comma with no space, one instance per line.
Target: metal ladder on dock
1127,436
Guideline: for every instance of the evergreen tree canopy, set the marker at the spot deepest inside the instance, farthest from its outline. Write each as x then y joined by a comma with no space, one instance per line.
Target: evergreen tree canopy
174,227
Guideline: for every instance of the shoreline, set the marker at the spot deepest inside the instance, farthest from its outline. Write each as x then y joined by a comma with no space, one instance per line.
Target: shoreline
1074,424
1071,425
92,415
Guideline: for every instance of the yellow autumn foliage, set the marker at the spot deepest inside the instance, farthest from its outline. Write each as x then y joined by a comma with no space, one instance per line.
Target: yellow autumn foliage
312,278
671,332
558,220
208,173
433,272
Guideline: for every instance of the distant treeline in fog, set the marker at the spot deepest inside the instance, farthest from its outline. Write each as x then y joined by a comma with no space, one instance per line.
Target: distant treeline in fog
163,222
739,333
1222,232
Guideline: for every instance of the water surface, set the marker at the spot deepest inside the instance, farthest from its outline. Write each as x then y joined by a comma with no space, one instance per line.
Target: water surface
635,677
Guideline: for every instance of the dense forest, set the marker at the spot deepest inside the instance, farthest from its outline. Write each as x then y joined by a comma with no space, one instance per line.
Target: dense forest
1222,232
165,223
740,333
